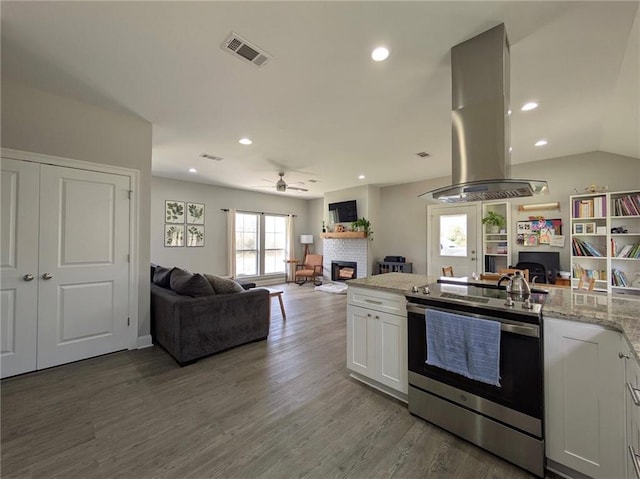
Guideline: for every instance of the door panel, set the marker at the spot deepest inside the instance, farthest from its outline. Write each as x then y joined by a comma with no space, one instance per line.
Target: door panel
457,248
83,307
19,257
391,346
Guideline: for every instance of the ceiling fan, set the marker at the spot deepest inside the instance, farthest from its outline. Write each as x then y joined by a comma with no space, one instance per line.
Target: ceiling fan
282,186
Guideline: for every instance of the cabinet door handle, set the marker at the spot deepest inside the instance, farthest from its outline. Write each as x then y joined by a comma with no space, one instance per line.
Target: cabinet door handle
634,459
635,393
372,301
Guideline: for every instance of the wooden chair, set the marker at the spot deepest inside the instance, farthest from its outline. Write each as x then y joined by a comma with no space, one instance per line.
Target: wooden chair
586,283
447,271
310,269
510,271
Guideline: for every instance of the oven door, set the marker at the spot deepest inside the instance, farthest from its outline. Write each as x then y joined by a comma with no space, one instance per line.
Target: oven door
521,375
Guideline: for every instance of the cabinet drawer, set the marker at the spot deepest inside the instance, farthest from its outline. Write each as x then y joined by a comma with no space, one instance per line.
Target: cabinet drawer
377,300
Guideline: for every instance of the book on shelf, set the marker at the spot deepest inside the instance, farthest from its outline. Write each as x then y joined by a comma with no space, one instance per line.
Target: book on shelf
628,205
590,207
584,248
580,272
618,278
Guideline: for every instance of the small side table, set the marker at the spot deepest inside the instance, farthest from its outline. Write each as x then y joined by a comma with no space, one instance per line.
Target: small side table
291,275
278,293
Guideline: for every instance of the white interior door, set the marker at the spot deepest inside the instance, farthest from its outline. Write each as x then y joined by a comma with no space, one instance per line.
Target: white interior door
19,258
454,239
84,296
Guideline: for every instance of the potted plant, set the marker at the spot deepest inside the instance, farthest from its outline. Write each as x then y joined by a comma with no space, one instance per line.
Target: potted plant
494,222
363,224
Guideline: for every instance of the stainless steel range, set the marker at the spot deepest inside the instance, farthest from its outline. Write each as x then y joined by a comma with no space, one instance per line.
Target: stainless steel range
505,419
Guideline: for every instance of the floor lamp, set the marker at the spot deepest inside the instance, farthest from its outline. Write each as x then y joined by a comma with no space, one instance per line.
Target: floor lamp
306,240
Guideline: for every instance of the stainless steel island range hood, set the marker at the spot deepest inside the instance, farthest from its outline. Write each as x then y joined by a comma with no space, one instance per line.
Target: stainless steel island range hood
480,132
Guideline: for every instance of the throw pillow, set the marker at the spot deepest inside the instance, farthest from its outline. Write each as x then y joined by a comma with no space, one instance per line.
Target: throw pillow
224,285
190,284
162,276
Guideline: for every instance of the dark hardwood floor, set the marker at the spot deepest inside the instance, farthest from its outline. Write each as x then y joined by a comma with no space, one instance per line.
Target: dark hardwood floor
280,408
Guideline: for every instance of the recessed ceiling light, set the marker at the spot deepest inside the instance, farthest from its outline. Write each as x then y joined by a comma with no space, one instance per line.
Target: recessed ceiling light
379,54
245,141
509,112
192,170
529,106
361,177
541,142
510,149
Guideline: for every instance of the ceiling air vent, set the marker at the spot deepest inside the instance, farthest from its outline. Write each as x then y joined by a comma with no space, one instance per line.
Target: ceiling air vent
239,47
423,154
211,157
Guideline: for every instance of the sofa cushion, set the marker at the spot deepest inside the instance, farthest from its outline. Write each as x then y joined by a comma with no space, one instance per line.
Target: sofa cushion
162,276
190,284
224,285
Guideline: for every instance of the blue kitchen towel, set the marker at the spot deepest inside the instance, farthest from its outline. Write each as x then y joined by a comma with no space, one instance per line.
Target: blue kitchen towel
464,345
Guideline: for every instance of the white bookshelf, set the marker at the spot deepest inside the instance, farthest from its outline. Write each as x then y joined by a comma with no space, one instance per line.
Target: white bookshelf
496,246
593,217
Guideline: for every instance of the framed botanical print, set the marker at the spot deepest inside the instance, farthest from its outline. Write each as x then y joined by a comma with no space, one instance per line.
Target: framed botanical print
195,235
195,213
173,235
174,211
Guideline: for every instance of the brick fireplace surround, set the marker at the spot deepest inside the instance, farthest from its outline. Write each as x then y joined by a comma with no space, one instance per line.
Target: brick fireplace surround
347,249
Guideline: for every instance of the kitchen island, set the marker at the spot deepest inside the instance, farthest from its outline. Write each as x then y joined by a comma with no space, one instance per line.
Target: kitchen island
617,312
591,367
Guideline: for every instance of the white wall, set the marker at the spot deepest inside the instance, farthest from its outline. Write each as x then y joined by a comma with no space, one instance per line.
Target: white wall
212,257
403,216
40,122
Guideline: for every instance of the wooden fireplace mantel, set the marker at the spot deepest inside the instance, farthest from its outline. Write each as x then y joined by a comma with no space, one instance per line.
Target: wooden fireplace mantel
344,235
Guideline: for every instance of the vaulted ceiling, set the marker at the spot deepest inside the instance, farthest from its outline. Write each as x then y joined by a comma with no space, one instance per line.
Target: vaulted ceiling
320,109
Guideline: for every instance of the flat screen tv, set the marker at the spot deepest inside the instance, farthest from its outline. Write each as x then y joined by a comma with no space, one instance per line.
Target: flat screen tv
343,212
550,260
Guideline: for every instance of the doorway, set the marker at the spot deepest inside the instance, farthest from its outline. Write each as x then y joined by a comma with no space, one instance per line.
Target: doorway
454,239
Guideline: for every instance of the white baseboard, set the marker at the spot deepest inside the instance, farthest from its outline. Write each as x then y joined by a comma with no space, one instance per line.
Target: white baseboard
144,342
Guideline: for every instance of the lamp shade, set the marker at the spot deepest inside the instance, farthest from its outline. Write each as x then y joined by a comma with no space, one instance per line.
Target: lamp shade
306,239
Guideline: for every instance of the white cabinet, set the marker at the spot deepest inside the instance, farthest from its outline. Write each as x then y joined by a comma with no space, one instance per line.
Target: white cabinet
377,339
632,409
584,398
605,240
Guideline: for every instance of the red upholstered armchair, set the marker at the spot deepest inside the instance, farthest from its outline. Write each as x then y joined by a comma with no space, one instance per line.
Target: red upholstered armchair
310,270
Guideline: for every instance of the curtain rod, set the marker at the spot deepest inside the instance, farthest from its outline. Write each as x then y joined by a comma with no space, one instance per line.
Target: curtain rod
262,212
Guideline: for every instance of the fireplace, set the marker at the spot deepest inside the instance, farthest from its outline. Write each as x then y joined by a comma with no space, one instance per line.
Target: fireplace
343,270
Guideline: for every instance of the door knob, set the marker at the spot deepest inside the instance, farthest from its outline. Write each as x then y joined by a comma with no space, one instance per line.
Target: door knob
47,276
28,277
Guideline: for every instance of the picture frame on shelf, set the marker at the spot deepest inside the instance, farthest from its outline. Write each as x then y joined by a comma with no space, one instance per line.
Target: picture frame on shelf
578,228
590,228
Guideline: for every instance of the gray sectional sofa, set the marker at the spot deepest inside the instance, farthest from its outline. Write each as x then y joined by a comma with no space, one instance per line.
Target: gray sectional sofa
191,319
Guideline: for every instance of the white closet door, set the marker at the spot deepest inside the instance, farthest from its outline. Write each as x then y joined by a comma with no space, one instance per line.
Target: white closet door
19,257
84,248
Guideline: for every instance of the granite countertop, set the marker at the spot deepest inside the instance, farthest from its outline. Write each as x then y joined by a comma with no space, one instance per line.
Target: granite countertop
614,311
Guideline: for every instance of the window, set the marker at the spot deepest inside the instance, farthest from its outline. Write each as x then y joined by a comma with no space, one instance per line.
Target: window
453,235
261,242
247,244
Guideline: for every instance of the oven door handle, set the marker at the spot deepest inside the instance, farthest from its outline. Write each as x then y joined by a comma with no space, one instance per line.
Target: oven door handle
506,326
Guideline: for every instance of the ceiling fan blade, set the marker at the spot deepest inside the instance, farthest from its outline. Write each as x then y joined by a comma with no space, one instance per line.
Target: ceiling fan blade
296,188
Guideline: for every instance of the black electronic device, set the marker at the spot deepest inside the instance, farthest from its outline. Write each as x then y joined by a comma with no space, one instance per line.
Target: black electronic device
394,259
550,260
344,211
